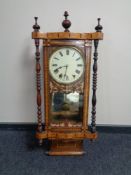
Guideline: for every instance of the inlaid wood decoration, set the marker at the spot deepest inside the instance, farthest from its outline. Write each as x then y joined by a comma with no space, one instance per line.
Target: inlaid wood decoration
66,72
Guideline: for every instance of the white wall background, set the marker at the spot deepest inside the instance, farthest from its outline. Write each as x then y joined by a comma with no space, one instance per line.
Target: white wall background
17,64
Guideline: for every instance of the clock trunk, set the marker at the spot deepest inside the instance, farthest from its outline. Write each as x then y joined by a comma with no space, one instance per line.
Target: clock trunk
66,105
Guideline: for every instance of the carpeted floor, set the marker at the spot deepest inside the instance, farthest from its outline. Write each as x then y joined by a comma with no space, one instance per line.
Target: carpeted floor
110,154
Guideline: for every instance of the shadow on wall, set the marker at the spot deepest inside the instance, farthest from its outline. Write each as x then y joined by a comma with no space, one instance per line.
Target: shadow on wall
28,77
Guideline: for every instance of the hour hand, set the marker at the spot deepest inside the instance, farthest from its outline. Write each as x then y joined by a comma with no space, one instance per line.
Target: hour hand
57,69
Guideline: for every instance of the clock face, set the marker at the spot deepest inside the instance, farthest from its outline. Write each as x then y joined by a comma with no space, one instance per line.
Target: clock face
66,65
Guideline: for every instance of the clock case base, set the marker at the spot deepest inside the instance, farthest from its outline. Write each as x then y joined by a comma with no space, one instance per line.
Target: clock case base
66,147
66,144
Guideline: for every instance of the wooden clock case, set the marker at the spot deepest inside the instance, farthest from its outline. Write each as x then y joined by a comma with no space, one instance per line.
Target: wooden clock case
66,137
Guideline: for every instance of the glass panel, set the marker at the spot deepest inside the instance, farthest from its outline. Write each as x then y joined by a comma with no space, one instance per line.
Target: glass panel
66,107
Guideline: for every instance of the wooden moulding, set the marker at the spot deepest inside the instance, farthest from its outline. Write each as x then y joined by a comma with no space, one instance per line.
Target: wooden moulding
58,135
64,147
68,35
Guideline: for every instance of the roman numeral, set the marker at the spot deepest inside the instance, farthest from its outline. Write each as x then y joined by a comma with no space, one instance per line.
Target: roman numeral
67,52
74,76
77,71
56,58
56,71
73,54
60,76
67,78
79,65
54,64
77,59
61,54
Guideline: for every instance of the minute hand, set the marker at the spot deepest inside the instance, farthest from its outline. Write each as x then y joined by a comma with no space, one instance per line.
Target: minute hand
65,71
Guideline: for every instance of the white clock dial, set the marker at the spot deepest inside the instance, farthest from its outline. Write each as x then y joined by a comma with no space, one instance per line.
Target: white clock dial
66,65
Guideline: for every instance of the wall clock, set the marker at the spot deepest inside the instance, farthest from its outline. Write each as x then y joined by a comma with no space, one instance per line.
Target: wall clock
66,77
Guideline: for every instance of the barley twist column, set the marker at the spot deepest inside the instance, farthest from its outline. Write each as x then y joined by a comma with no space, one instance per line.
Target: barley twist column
98,28
36,28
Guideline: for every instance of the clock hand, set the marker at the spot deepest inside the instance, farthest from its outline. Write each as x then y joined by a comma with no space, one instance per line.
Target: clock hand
56,70
66,72
59,68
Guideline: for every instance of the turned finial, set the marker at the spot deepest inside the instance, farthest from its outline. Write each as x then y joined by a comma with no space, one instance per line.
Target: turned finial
99,27
36,27
66,23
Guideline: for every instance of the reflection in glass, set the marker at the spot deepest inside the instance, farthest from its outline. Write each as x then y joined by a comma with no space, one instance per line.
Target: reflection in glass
66,107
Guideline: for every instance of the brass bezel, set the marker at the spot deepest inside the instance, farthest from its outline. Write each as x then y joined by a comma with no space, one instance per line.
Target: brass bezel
82,56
